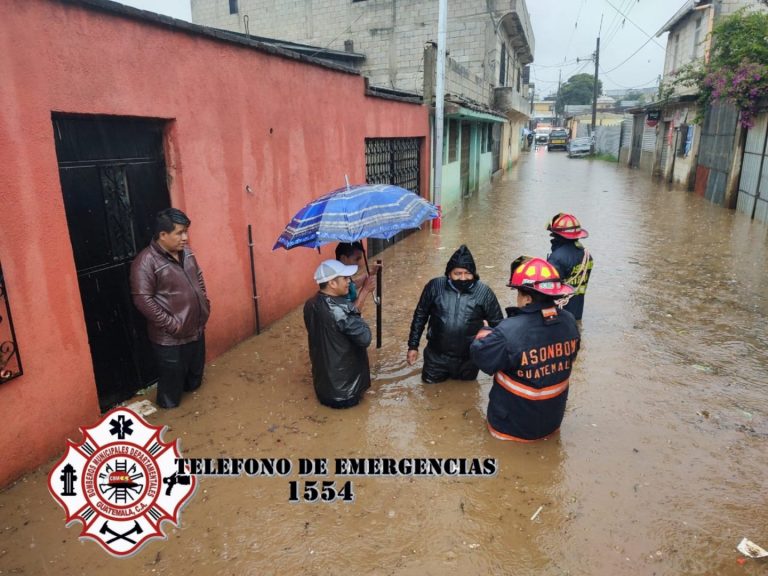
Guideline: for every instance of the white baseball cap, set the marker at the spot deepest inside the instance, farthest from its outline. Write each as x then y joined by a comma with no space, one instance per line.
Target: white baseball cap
330,269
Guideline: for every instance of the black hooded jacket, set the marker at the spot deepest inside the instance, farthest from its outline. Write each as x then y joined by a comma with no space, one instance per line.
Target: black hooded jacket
454,316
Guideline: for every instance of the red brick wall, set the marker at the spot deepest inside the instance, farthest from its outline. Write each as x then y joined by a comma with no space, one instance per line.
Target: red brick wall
237,117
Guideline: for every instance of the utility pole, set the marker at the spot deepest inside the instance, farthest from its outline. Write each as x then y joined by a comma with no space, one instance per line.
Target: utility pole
594,89
557,100
532,89
442,19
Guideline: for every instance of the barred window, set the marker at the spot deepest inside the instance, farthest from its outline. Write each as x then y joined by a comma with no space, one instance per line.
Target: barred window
10,361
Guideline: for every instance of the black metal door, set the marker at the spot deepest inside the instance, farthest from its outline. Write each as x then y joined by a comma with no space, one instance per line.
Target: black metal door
466,133
113,180
392,161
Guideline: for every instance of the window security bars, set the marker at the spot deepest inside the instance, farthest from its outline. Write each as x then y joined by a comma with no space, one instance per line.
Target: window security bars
10,361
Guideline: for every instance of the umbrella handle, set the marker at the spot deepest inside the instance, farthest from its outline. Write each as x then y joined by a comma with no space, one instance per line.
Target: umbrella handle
365,259
376,299
379,285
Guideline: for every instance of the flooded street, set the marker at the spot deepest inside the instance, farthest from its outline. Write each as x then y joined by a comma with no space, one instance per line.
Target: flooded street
660,466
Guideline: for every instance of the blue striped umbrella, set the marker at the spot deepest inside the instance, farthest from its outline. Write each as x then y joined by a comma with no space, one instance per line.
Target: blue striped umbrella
355,212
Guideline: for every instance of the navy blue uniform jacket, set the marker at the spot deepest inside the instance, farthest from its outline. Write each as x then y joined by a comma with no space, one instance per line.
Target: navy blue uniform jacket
530,355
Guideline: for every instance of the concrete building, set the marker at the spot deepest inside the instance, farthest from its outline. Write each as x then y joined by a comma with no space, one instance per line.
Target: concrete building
682,151
489,44
111,119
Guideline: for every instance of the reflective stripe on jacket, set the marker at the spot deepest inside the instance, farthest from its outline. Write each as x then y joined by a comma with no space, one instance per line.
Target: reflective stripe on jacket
574,264
530,355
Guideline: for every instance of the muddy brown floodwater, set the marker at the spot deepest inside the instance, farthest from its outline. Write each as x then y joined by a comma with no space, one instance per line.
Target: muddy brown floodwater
660,466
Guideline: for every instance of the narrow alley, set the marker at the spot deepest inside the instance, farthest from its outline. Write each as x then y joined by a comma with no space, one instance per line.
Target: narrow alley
659,467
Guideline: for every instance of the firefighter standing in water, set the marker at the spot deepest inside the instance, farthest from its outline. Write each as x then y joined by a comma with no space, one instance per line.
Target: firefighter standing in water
530,355
571,259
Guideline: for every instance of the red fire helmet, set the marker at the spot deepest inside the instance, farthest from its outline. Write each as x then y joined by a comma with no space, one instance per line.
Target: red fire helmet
539,275
567,226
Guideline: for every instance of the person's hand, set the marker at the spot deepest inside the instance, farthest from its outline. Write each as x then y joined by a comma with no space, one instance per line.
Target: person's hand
484,331
370,283
411,357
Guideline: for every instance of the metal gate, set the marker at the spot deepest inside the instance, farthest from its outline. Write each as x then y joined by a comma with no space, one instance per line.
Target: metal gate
637,141
392,161
113,180
716,151
663,151
753,184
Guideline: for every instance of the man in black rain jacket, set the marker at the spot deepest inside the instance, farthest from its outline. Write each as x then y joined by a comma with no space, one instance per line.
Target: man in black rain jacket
455,306
338,338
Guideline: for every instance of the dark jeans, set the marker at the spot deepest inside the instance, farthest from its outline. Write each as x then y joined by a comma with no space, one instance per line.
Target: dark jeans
181,369
439,367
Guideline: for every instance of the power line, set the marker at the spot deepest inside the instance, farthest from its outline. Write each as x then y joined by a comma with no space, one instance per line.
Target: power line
646,84
575,27
618,23
564,64
630,56
635,25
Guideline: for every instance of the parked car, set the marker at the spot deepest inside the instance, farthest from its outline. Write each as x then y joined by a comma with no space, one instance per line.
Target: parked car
580,147
558,138
542,137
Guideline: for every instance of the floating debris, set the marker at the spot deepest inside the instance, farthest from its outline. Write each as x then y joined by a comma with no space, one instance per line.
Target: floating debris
750,549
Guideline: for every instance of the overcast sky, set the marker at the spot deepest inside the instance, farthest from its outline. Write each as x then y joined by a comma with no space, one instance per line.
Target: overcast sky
176,8
565,30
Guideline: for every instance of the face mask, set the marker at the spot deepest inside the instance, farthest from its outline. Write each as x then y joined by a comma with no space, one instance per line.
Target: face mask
462,285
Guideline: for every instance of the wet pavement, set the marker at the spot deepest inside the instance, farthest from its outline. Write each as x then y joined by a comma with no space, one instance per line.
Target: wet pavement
660,466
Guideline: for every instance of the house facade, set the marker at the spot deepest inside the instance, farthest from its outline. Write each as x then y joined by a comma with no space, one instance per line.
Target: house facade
109,120
489,44
669,140
677,136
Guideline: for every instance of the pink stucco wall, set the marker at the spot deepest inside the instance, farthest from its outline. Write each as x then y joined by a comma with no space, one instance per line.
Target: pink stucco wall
237,117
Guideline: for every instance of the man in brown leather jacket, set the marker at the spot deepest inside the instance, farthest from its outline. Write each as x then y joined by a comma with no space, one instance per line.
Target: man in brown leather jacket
168,289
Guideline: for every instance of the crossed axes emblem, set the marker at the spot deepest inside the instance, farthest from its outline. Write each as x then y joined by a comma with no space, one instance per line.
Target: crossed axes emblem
105,529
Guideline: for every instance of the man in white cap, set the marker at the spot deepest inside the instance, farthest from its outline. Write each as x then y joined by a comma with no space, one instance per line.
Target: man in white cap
338,338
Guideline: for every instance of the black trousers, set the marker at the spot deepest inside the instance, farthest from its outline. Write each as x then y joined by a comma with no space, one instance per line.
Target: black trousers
439,367
181,370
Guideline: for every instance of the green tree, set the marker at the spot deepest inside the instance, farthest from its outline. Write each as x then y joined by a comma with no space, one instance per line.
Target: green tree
578,89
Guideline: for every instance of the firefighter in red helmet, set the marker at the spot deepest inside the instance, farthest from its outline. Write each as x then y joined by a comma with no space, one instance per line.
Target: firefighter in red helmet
571,258
530,355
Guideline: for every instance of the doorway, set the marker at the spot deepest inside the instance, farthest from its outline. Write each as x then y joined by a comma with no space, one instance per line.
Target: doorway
113,180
